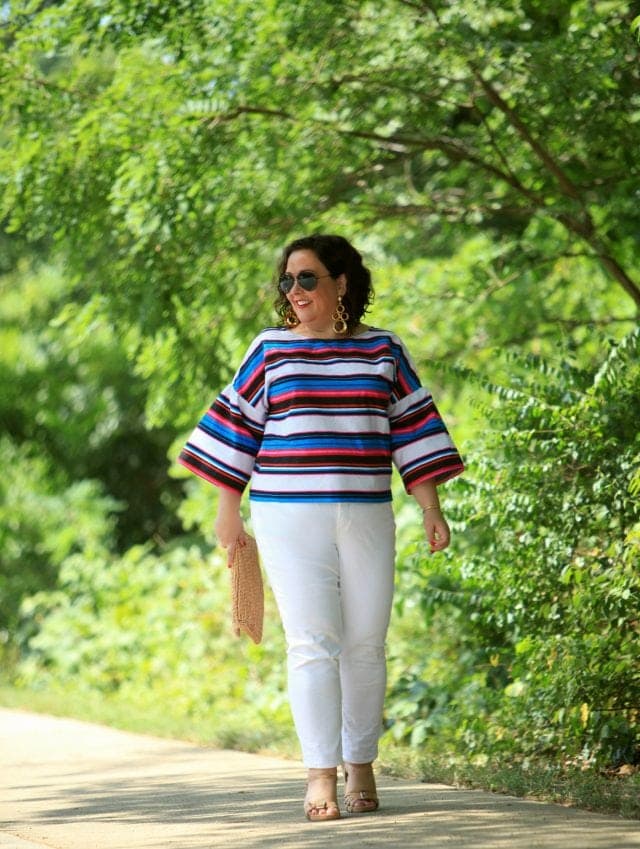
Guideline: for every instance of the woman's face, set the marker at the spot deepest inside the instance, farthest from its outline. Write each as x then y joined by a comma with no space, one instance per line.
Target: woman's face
314,309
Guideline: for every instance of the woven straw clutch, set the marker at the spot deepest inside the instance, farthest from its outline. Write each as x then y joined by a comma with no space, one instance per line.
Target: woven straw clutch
247,592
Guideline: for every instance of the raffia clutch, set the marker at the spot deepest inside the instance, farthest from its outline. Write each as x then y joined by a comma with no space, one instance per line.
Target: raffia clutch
247,591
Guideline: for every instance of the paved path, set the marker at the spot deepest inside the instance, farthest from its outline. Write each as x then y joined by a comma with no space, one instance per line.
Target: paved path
73,785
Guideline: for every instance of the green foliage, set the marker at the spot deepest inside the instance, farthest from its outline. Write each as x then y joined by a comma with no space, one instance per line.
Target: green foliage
68,392
153,159
171,152
82,473
537,623
151,627
43,520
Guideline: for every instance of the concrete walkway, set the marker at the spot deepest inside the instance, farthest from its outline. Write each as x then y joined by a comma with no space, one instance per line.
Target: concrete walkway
73,785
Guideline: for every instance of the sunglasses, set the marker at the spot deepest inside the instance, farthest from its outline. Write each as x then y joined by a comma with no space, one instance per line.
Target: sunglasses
307,279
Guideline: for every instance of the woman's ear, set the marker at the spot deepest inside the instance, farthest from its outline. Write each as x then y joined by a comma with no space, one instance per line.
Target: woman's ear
341,280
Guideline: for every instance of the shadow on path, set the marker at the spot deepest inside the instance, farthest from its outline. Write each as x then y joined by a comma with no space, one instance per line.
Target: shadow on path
90,787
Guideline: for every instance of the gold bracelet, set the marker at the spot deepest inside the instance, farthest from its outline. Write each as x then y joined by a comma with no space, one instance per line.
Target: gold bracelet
430,507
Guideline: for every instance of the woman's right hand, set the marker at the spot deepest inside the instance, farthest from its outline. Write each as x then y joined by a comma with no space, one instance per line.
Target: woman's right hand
228,525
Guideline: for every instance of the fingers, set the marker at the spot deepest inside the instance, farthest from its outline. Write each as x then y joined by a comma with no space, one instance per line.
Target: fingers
438,544
239,542
438,535
231,553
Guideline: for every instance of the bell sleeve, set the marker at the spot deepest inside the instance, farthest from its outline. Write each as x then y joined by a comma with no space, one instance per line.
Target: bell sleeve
223,446
421,447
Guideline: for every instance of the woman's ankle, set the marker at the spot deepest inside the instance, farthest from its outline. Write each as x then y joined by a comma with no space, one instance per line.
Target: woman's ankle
350,766
361,775
314,773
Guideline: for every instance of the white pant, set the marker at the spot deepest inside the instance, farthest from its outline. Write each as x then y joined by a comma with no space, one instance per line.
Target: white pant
331,570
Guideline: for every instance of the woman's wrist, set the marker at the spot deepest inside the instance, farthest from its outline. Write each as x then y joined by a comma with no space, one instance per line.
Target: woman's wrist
426,495
229,510
229,502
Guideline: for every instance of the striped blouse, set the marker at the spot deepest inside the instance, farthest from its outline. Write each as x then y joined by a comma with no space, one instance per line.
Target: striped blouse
322,420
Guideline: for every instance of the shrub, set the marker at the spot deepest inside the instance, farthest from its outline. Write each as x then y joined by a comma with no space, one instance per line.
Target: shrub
538,618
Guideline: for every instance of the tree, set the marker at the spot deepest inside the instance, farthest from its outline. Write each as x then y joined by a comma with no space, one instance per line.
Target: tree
171,151
472,149
82,472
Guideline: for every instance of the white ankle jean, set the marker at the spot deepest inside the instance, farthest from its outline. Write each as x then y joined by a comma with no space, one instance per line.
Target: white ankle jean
331,568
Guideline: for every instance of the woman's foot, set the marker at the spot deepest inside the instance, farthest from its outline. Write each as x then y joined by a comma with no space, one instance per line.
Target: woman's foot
321,799
360,796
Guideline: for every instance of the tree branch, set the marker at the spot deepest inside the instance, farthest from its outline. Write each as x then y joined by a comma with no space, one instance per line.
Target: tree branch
566,184
582,225
617,271
397,143
456,151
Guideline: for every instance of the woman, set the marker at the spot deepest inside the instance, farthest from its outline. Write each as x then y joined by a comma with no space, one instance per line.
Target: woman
317,412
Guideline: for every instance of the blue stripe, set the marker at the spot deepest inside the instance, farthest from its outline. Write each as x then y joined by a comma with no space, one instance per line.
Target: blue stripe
398,440
351,382
322,497
365,441
250,366
229,436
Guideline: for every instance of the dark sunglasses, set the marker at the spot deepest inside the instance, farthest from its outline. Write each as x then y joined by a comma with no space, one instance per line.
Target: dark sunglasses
307,279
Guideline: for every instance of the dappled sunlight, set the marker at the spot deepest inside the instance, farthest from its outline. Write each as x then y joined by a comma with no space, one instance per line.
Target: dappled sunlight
73,785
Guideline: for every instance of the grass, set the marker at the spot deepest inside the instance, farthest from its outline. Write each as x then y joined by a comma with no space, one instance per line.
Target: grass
589,790
149,714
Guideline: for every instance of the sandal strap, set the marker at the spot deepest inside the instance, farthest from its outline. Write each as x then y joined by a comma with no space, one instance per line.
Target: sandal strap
361,796
370,802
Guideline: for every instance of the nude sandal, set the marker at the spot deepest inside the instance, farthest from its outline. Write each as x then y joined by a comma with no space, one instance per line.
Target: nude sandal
364,801
321,810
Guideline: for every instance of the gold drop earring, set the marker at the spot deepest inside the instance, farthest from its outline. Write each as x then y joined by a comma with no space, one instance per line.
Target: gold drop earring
340,317
290,318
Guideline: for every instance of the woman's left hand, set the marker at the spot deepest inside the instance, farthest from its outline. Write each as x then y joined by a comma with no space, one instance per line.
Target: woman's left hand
436,529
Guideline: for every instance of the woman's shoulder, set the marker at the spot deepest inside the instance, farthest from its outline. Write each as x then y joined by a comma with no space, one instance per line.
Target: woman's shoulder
256,348
382,333
269,334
